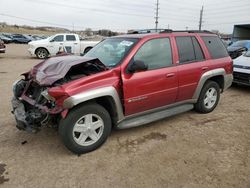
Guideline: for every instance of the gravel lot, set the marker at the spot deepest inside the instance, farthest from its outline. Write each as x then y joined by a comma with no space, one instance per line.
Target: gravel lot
188,150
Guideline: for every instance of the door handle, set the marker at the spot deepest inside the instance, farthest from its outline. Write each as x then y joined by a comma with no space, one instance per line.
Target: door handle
76,43
61,43
204,68
170,75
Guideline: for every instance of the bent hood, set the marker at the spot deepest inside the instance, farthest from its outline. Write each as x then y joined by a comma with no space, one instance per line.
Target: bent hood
49,71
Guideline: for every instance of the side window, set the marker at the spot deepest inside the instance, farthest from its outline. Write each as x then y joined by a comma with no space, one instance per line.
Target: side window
199,56
215,47
58,38
185,49
189,50
70,38
155,53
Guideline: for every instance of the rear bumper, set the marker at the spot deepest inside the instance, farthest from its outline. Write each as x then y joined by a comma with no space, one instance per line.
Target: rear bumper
228,80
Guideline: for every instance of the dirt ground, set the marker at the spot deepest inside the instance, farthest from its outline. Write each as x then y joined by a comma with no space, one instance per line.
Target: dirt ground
186,151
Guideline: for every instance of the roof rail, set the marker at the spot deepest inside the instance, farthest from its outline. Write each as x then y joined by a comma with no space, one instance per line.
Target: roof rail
187,31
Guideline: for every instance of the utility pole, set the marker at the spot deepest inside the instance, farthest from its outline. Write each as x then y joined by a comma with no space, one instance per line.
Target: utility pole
201,18
157,15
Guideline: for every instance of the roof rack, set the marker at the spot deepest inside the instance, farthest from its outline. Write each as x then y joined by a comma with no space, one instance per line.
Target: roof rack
145,31
187,31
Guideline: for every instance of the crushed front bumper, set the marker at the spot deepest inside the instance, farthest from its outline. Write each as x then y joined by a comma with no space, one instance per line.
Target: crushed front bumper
26,121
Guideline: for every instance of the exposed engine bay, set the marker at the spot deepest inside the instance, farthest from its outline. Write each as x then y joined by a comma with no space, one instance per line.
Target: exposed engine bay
32,106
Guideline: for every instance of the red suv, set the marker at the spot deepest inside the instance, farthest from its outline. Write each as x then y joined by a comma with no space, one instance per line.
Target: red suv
123,82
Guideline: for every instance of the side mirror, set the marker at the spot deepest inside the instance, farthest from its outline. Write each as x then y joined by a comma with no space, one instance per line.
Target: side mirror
52,40
136,66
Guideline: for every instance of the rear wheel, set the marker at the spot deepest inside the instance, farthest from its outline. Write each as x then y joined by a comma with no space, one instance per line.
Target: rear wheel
85,128
42,53
209,97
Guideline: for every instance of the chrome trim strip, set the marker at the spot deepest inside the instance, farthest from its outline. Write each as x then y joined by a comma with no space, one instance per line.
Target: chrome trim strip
93,94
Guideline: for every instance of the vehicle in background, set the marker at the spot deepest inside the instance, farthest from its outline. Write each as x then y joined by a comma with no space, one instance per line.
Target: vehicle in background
241,69
6,40
50,46
124,81
20,39
226,42
2,47
238,48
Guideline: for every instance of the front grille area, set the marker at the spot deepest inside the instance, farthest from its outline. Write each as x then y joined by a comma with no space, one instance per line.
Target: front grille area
242,78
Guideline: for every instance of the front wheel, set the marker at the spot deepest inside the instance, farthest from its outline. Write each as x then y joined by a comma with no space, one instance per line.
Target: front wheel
42,53
209,97
85,128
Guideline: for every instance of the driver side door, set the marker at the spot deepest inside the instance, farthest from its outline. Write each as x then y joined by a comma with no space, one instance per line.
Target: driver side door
55,44
155,87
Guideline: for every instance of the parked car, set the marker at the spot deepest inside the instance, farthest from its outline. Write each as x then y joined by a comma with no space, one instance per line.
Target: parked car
237,48
50,46
5,39
2,47
122,82
241,70
20,39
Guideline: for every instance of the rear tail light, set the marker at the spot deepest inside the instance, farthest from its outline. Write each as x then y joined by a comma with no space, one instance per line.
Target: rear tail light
229,67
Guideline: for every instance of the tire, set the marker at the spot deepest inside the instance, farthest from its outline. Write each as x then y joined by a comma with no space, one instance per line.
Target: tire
209,98
87,49
42,53
81,137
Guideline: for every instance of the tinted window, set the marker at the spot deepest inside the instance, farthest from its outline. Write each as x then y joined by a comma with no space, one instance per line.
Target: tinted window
58,38
189,49
215,47
197,50
70,38
155,53
185,49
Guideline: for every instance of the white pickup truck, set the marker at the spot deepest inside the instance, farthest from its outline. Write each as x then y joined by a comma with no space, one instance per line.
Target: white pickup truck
69,43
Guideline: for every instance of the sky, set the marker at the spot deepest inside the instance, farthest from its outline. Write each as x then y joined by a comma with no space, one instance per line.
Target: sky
121,15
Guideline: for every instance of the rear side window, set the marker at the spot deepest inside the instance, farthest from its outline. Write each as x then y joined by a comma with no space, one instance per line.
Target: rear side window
189,50
155,53
70,38
215,47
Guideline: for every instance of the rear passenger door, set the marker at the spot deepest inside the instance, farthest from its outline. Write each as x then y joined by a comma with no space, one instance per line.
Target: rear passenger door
191,66
71,44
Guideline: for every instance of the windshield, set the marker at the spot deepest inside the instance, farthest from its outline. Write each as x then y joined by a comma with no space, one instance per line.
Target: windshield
111,51
247,54
239,44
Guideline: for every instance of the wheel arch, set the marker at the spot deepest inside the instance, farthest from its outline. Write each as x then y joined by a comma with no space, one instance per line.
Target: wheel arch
87,49
41,48
106,97
217,75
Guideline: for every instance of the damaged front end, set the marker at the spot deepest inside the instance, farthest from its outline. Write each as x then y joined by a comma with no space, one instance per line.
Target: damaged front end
38,100
31,107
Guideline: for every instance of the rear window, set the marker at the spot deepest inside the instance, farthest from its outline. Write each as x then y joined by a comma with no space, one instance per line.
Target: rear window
215,47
